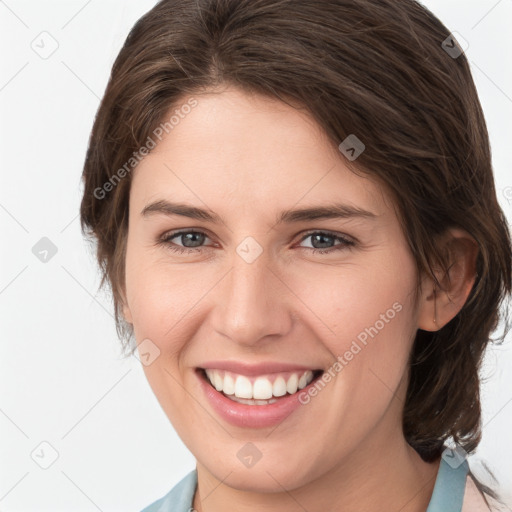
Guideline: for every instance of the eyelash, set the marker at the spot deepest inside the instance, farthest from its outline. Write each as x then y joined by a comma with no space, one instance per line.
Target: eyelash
345,242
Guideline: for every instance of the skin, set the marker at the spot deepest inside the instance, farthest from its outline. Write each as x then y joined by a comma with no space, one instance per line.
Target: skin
247,158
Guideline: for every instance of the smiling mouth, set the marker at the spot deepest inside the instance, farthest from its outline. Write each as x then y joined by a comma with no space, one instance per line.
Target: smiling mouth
258,390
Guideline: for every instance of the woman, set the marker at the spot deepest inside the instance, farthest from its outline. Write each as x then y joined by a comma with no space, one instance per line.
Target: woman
294,205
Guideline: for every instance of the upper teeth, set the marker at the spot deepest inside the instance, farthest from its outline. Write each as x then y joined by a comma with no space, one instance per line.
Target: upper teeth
260,388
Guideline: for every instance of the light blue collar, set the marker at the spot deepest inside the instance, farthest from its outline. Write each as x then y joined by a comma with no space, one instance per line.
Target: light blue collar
180,497
449,487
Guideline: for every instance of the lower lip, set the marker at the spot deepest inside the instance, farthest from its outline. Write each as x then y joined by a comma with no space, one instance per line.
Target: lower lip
251,416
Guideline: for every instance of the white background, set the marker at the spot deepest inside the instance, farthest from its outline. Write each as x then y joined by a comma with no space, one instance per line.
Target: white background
62,378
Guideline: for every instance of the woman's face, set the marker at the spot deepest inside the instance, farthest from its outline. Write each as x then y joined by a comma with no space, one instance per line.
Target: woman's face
249,299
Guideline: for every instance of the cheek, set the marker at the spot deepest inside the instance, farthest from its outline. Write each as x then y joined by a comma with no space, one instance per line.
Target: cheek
157,307
351,297
158,302
165,302
153,297
365,314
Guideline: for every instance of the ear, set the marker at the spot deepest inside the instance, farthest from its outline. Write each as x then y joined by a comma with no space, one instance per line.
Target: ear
127,314
439,306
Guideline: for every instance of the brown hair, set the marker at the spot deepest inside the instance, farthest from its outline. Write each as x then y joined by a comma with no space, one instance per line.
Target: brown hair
374,68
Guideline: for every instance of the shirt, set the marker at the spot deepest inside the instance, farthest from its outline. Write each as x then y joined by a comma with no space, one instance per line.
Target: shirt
454,491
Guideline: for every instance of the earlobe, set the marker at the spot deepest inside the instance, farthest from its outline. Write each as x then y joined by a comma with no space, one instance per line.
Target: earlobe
127,314
440,305
427,317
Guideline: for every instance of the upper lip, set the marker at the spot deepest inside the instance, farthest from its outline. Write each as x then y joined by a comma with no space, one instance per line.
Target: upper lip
251,369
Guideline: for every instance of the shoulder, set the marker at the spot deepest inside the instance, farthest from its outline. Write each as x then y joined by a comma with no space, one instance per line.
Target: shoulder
179,498
474,500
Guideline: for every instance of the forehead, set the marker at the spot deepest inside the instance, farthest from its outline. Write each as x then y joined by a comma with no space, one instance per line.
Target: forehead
235,150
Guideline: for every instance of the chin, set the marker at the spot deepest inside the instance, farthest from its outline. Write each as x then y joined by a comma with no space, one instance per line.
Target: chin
263,477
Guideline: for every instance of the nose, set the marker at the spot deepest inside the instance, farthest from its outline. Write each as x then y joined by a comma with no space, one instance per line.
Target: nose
252,303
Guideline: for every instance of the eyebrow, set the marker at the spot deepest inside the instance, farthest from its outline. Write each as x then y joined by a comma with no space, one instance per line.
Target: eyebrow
334,211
